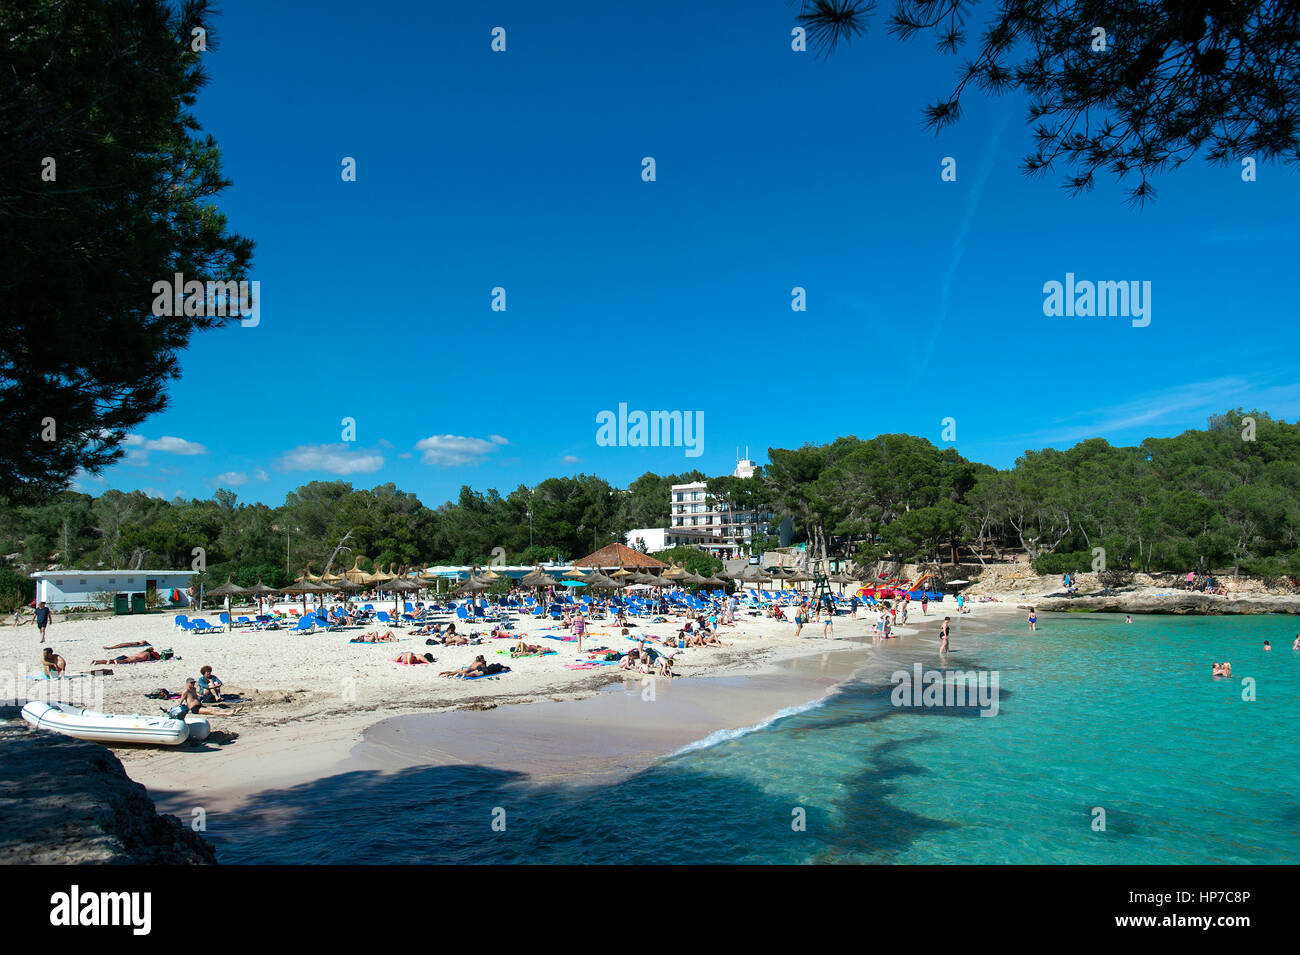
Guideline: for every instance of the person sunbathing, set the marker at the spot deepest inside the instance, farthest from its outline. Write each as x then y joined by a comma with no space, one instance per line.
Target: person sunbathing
144,656
454,640
133,643
706,640
375,637
413,659
52,663
524,649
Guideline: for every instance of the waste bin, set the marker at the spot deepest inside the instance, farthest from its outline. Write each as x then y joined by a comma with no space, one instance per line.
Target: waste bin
121,603
137,603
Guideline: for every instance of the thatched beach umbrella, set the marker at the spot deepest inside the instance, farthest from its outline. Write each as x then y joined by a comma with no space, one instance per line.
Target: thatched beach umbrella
305,587
226,590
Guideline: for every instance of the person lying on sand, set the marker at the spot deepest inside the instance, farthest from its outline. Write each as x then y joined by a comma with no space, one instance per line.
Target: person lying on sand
454,640
523,649
479,667
413,660
123,646
705,640
52,663
190,698
144,656
375,637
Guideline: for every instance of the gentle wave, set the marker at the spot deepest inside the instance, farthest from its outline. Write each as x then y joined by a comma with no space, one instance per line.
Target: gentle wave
724,736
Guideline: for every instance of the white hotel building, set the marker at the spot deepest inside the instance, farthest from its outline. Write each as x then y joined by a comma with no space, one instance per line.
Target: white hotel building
696,520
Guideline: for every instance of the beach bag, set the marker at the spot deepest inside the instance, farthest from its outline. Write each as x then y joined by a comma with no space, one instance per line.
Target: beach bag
166,654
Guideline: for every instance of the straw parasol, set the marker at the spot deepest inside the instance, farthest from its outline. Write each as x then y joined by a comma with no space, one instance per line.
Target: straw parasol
305,587
226,590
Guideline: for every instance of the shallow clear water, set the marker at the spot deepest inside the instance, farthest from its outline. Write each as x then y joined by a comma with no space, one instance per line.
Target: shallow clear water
1093,713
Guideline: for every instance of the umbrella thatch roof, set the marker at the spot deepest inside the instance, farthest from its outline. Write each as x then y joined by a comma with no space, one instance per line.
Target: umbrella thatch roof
618,555
601,582
474,585
310,587
227,589
261,588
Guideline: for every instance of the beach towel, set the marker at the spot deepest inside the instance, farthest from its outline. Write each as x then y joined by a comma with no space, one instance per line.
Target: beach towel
66,676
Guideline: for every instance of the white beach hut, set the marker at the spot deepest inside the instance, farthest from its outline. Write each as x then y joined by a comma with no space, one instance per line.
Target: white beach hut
63,589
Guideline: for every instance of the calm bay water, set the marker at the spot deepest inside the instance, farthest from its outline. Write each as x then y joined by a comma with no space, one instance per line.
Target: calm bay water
1093,713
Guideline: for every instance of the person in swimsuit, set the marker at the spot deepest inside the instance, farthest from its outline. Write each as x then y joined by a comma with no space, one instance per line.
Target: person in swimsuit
943,632
1033,621
413,659
579,628
1221,669
52,664
190,698
1296,645
523,649
631,661
144,656
1267,645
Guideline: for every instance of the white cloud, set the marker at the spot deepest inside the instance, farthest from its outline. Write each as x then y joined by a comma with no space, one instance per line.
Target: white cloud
452,450
136,458
232,478
261,475
332,458
166,443
570,459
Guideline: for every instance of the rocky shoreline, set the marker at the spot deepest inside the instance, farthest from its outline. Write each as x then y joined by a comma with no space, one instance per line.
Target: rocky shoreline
1186,603
69,802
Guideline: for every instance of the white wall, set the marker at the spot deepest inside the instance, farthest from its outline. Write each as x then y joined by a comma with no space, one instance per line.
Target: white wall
72,592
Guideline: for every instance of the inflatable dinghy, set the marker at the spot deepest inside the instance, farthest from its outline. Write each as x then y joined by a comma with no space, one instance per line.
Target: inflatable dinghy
111,727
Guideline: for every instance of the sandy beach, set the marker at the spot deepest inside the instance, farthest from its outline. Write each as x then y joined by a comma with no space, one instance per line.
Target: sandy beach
312,698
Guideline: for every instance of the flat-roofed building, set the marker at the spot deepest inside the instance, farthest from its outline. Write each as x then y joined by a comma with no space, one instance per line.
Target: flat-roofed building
63,589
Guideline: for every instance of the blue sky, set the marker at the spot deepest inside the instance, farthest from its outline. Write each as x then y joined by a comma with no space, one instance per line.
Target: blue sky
775,169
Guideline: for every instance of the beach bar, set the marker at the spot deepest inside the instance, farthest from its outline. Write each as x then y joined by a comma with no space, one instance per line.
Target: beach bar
64,589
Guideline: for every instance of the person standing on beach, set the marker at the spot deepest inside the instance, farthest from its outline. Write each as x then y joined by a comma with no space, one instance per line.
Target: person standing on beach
925,603
579,628
943,632
1033,621
43,617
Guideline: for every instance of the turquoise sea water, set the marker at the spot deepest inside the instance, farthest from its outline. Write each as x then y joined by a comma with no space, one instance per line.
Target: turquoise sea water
1093,713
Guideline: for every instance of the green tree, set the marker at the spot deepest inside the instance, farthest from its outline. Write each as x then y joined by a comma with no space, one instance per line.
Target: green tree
1164,79
103,89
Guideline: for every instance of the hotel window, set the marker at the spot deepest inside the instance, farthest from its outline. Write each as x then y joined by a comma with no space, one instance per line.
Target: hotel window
58,583
112,580
83,582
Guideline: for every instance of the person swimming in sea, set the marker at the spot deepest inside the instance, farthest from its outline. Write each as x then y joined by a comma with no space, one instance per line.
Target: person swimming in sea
1127,618
1267,645
1221,669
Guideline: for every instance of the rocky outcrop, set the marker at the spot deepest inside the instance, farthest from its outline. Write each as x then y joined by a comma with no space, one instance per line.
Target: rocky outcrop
1170,603
68,802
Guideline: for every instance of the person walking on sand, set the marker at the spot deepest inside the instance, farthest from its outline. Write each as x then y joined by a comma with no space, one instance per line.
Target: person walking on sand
943,632
925,603
43,618
1033,621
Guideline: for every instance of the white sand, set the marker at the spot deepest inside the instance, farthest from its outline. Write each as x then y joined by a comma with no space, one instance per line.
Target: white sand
312,695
